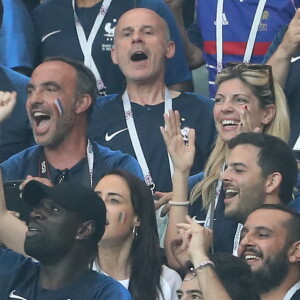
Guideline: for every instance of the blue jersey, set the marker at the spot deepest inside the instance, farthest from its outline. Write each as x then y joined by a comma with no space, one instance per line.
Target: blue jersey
108,127
59,37
237,21
29,162
19,279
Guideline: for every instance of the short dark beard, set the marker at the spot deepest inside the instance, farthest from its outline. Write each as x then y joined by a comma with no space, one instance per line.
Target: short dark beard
253,198
271,275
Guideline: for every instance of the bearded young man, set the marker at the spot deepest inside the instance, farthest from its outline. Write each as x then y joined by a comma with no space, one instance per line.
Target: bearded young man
270,242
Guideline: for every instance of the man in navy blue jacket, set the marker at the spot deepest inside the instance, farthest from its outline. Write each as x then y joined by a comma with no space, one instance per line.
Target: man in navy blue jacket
61,93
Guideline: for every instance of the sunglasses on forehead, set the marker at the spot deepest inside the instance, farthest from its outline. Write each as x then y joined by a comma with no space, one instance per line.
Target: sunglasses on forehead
257,67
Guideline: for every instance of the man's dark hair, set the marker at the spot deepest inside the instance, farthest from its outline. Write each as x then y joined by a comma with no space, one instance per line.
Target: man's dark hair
235,275
275,156
292,225
86,81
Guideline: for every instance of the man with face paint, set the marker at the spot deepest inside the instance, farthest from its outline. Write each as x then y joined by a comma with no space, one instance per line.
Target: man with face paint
61,94
270,244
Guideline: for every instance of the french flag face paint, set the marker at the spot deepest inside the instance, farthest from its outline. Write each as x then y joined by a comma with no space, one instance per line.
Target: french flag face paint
59,106
122,217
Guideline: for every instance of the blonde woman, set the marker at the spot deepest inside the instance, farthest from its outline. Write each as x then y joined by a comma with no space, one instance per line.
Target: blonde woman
247,99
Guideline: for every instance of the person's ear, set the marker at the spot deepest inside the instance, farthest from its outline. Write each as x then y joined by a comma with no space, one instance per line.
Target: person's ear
269,114
85,230
83,103
273,182
294,252
113,55
136,221
170,51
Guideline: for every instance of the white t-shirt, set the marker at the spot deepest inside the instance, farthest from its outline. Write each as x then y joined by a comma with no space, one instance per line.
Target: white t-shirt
170,282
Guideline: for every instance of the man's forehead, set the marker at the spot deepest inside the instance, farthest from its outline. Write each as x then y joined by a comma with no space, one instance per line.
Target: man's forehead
243,154
53,72
266,218
51,65
138,17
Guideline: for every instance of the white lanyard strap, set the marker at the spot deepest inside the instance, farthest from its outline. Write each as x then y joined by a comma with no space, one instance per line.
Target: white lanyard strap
292,291
254,29
90,159
251,38
210,213
236,240
219,35
135,139
87,44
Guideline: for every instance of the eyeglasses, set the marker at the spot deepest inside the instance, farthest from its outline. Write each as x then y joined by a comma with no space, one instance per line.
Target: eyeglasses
257,67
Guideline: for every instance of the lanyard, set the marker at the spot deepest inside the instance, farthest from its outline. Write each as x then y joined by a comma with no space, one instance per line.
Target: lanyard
135,139
209,220
251,38
236,240
90,158
292,291
87,44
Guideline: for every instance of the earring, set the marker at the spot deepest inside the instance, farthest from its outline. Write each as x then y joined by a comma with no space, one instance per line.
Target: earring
134,232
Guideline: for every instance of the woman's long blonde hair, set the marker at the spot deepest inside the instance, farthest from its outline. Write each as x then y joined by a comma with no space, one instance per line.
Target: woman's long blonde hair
259,79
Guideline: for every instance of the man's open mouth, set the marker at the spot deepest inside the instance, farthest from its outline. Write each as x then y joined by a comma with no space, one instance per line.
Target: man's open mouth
41,119
249,257
230,193
32,231
139,56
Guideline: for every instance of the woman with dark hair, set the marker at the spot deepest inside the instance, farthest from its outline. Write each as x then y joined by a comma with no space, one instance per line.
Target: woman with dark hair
129,250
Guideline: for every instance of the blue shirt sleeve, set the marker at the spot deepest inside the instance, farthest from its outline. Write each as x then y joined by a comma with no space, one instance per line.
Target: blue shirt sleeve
276,42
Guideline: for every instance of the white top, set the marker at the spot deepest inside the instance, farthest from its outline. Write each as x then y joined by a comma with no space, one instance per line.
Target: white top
170,282
292,291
